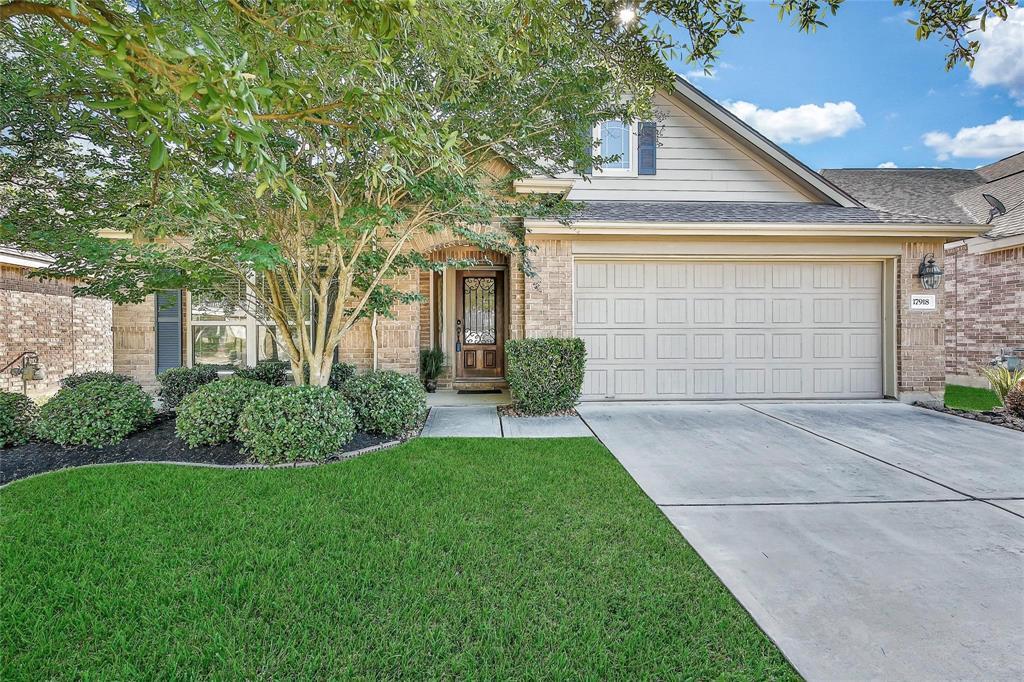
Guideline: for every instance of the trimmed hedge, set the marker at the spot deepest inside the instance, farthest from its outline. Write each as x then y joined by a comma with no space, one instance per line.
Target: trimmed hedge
545,375
341,372
17,414
209,415
295,423
77,379
178,382
270,372
386,402
95,413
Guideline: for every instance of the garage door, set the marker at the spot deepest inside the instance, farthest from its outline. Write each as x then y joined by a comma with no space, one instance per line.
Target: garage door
722,330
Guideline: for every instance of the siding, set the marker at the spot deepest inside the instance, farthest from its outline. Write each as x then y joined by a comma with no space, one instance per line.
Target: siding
695,163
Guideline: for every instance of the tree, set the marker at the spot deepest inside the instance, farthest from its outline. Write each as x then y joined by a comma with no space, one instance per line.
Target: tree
303,146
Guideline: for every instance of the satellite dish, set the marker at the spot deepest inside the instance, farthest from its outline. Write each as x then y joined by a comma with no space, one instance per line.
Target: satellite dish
997,207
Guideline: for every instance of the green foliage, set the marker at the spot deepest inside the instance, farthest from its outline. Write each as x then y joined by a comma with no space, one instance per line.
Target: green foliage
95,413
431,363
1002,379
209,415
270,372
294,423
1014,401
545,375
341,372
386,402
178,382
73,380
17,414
970,398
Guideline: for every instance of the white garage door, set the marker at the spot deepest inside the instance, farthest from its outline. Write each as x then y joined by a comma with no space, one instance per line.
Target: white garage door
722,330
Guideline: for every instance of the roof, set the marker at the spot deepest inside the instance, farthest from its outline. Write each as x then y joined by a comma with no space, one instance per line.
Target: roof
951,195
728,212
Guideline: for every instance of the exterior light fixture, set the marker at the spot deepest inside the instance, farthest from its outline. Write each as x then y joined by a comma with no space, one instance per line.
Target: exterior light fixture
929,272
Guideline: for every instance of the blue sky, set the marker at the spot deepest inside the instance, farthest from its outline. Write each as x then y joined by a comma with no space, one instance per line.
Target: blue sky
888,91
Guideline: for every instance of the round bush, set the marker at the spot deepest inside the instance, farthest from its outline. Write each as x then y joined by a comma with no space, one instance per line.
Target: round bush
178,382
270,372
341,372
295,423
16,416
76,379
386,402
209,415
94,413
1014,402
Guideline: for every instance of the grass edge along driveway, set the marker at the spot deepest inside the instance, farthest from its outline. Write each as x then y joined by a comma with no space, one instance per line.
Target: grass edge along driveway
481,558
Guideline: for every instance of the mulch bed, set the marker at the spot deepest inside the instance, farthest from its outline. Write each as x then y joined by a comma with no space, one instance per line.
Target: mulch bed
996,417
511,411
155,444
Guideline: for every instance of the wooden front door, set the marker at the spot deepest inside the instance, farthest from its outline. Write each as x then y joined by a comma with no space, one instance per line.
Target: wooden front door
480,324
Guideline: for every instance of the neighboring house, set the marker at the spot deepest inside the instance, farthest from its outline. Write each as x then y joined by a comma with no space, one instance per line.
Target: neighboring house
984,279
68,334
707,264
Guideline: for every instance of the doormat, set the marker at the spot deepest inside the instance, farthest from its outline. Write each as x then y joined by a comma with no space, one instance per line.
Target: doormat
479,391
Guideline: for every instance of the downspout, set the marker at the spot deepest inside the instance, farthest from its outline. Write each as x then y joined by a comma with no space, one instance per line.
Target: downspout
373,340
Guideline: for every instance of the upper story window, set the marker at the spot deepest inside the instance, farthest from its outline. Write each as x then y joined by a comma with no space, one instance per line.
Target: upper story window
616,140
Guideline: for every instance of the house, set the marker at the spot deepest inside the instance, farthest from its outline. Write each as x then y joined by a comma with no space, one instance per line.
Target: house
706,264
984,274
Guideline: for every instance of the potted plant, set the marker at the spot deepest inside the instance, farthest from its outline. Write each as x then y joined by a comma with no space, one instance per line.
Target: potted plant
431,365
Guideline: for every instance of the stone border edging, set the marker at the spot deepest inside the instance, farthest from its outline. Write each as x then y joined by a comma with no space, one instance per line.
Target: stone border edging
211,465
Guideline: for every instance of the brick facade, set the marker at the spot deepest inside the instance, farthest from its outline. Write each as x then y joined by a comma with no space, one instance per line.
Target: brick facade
70,334
920,355
985,307
135,342
547,298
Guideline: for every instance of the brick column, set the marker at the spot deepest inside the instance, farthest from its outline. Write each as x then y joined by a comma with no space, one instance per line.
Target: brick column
920,334
548,296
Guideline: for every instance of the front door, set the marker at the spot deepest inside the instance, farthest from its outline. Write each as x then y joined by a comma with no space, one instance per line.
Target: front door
479,324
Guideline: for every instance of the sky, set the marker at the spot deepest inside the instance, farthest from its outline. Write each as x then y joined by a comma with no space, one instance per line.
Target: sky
864,93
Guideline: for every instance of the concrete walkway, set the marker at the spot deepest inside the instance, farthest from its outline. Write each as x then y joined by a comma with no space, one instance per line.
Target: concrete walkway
484,422
869,540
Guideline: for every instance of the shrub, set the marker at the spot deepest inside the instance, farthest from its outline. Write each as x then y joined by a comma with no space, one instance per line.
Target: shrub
270,372
76,379
386,402
178,382
295,423
1014,401
17,413
94,413
1002,379
341,372
431,363
209,414
545,375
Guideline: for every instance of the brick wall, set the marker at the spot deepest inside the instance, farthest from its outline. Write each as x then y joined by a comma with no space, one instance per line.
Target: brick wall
398,339
548,296
985,307
920,334
135,342
69,334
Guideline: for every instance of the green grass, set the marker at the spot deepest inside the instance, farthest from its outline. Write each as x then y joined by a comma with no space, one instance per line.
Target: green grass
462,558
969,398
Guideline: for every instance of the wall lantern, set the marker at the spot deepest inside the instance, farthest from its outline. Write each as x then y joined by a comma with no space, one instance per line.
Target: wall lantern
929,272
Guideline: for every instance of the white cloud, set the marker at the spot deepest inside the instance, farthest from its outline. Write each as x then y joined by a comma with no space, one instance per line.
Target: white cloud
804,124
1000,60
994,140
887,164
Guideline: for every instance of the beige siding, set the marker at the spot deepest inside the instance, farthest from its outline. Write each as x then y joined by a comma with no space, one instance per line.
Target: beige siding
695,163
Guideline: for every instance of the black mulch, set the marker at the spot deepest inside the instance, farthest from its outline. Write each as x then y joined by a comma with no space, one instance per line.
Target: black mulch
155,444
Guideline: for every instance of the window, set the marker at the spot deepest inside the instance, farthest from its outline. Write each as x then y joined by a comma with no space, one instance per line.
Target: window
223,334
616,140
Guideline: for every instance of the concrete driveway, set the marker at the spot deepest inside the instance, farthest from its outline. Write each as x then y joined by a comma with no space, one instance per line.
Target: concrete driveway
870,540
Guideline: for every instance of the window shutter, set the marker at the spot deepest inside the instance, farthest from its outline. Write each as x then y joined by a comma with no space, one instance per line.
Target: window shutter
168,329
587,135
647,148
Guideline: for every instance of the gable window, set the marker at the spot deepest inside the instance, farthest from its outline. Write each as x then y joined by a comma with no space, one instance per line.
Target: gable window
616,140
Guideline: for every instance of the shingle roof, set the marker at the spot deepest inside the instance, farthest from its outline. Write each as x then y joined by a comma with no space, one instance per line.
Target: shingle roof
924,192
1003,167
730,212
1010,191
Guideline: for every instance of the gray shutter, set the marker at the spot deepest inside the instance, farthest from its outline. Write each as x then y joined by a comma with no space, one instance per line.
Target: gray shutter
647,148
168,329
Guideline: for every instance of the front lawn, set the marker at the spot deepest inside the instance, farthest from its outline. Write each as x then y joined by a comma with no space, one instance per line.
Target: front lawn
461,558
969,398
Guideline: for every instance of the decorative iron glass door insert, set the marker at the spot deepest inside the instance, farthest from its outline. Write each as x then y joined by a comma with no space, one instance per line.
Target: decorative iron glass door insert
479,323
